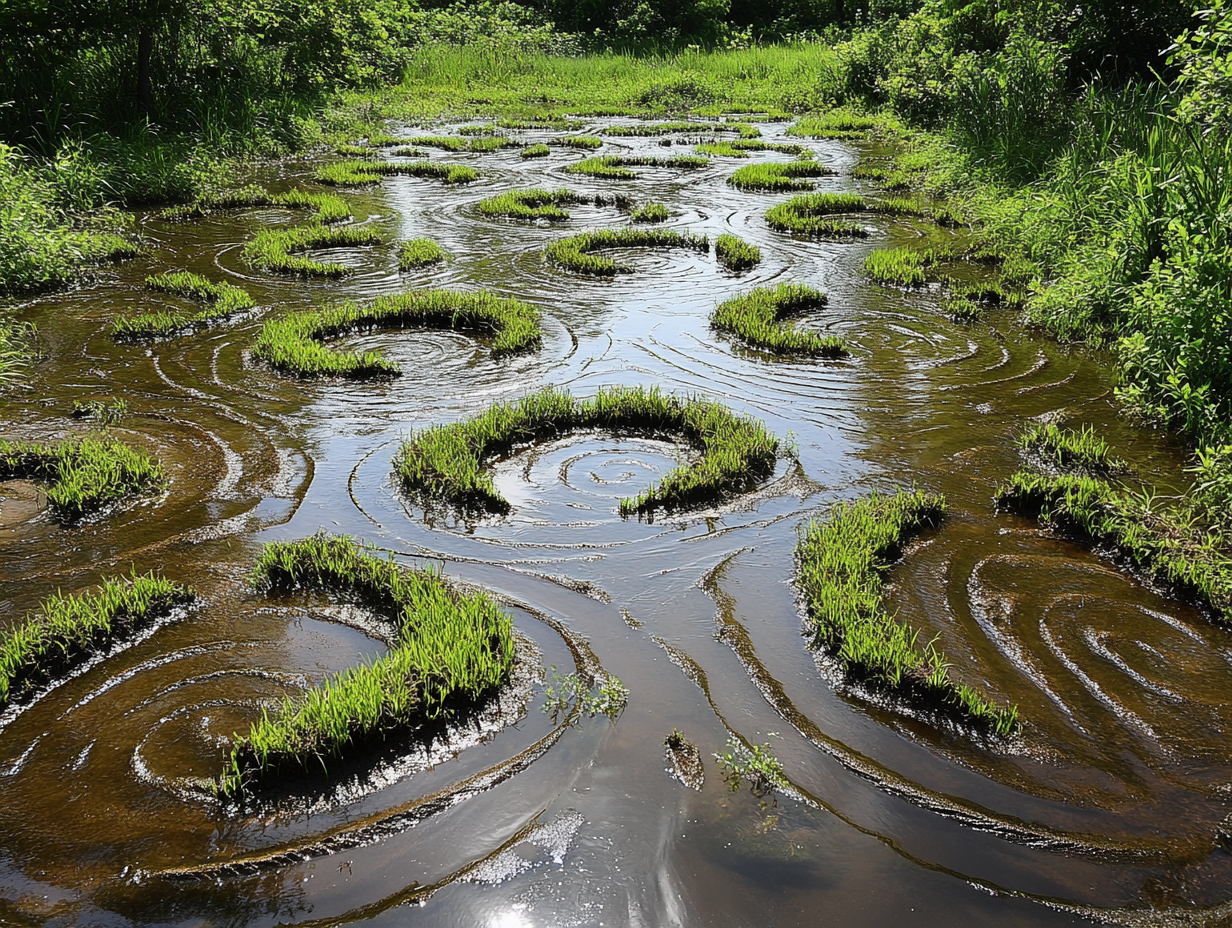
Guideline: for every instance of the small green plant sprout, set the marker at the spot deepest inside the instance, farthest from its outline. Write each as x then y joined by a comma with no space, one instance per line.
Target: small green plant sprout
419,253
584,142
529,205
904,267
66,631
296,343
325,208
217,301
754,765
809,216
279,250
676,740
606,698
366,173
616,167
446,463
838,124
536,151
758,319
83,476
102,412
776,176
735,254
840,564
575,253
651,213
1071,449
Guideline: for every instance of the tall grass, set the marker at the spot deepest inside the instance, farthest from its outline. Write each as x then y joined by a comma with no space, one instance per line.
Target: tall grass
66,631
905,267
218,301
447,462
758,318
450,650
83,475
840,564
576,252
296,343
278,250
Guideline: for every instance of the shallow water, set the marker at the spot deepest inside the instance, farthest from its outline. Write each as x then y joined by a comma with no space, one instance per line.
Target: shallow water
1105,807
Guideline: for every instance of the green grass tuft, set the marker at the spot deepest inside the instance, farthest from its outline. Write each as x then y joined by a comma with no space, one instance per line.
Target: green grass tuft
530,204
446,462
840,564
277,250
776,176
651,213
616,167
758,319
809,214
903,266
218,301
536,151
326,208
294,343
1070,448
735,254
364,173
66,631
419,252
83,475
838,124
493,143
449,651
586,142
574,253
447,143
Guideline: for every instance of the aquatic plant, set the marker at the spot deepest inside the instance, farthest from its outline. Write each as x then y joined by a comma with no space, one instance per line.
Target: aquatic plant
777,176
218,301
493,143
587,142
740,148
575,253
277,250
83,475
840,564
837,124
489,129
651,213
536,151
364,173
535,203
66,631
419,252
644,130
905,267
757,318
607,698
1173,552
753,764
616,167
1069,448
326,208
886,178
898,206
445,142
735,254
447,462
809,215
449,650
295,343
105,413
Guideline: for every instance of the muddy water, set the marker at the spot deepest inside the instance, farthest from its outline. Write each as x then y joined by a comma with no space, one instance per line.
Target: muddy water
1105,808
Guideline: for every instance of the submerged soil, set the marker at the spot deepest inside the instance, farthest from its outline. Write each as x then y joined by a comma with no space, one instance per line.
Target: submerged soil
1106,806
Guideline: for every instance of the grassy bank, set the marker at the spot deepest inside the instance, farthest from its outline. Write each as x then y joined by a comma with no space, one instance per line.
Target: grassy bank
295,343
840,564
66,631
576,253
449,650
447,462
217,301
83,475
759,319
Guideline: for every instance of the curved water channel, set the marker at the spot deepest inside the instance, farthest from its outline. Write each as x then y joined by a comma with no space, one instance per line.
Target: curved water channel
1106,805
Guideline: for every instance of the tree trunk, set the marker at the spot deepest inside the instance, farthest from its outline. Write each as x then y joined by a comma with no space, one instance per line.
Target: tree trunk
145,95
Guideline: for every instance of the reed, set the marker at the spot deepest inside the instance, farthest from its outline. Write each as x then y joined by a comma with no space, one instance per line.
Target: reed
776,176
758,318
616,167
296,343
67,631
735,254
449,651
840,564
575,253
418,253
217,301
535,203
809,215
366,173
278,250
447,462
651,213
83,475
